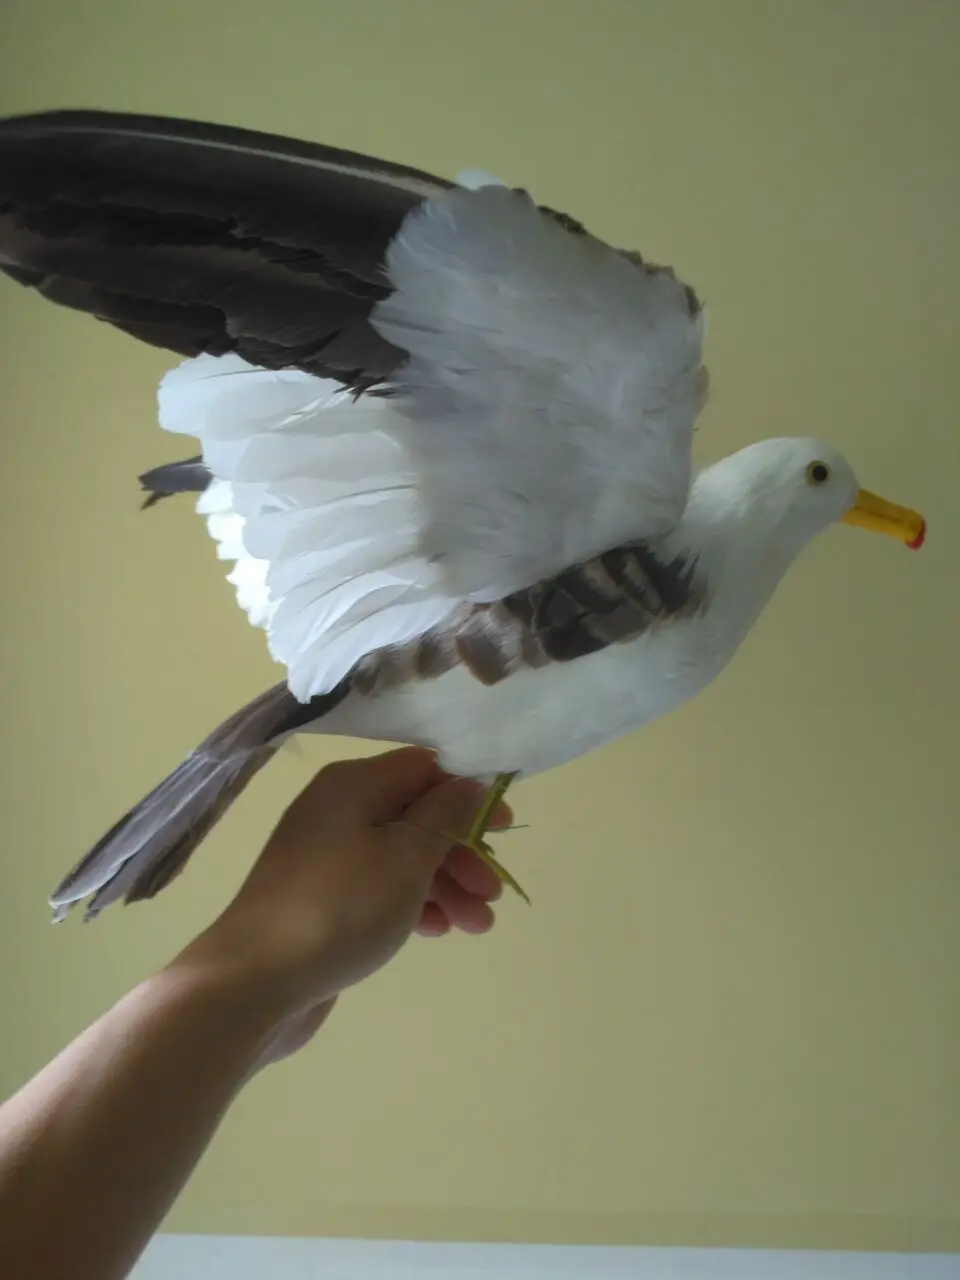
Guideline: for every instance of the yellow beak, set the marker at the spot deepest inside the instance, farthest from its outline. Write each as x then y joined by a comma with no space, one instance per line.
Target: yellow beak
880,516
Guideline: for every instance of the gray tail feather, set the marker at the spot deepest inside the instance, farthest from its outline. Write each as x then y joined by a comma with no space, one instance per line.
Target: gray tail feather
190,476
151,844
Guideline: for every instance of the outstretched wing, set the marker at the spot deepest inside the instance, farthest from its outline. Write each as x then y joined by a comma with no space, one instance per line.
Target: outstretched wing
539,388
205,239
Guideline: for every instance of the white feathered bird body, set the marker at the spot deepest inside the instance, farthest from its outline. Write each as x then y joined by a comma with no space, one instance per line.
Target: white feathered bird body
320,506
446,442
545,416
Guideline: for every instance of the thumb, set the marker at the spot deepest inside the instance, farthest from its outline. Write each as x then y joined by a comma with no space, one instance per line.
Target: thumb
431,826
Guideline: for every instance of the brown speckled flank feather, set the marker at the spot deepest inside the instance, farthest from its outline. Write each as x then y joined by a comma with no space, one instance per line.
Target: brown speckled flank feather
616,597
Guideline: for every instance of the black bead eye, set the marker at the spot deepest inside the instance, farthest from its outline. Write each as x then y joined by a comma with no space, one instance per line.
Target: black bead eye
818,473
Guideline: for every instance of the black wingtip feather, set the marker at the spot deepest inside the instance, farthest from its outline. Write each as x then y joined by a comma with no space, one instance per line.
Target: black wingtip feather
72,123
208,239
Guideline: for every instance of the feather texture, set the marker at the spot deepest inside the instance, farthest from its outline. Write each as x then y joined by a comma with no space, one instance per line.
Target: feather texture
189,476
203,238
316,505
445,436
321,507
151,844
549,402
544,417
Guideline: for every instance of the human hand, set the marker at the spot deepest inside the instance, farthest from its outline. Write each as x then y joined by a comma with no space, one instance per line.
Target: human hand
355,865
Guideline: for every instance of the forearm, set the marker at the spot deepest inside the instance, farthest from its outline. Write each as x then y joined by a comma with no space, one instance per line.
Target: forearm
94,1150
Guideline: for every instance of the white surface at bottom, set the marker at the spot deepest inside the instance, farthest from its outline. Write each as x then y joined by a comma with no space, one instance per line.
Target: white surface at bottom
266,1258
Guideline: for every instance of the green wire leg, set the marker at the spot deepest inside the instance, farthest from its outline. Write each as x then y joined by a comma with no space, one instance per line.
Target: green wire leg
474,839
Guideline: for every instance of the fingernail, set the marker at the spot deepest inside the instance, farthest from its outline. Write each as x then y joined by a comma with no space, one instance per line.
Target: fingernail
476,929
436,932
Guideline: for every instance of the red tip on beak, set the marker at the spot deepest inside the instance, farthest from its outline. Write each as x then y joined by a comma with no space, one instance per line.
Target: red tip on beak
919,540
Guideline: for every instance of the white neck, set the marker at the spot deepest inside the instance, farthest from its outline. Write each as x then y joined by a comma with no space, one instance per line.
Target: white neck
742,549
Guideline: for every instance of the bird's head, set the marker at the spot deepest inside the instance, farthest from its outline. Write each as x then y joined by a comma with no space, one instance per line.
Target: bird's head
801,486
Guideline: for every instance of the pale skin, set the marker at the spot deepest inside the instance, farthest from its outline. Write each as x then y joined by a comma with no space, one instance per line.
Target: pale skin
96,1147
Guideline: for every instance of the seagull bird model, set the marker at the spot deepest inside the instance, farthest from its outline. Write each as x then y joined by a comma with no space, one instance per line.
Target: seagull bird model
445,439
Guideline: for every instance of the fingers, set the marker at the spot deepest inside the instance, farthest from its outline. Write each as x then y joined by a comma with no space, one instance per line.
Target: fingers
361,793
398,779
433,923
380,788
464,910
430,825
407,801
462,883
452,907
473,874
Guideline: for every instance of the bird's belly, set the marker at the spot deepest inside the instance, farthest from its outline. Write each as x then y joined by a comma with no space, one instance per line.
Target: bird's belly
535,719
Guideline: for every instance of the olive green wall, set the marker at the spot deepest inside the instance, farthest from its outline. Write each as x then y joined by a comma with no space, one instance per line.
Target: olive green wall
732,1014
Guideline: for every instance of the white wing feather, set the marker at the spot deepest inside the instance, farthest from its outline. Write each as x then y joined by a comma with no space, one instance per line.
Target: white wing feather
546,414
314,501
551,393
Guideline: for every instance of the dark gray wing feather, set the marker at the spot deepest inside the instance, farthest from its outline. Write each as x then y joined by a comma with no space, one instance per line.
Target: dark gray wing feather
190,476
203,238
152,843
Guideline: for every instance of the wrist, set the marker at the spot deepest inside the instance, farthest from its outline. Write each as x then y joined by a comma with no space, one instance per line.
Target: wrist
241,966
211,969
